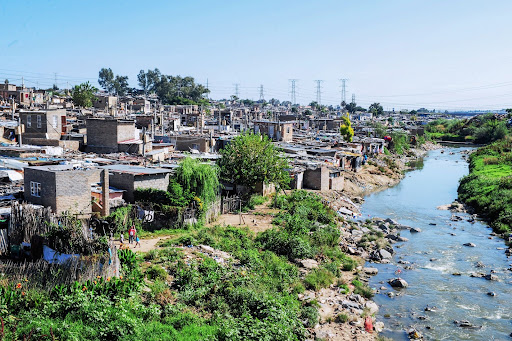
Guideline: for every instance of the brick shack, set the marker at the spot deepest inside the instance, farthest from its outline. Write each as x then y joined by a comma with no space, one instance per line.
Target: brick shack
113,136
129,178
276,131
61,187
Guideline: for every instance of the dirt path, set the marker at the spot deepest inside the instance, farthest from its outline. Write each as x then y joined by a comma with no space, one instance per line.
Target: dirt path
145,244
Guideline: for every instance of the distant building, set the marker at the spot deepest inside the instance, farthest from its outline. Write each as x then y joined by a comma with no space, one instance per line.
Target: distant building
113,136
106,103
276,131
43,125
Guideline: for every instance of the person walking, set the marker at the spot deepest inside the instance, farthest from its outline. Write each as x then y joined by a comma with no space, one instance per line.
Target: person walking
131,234
121,237
137,241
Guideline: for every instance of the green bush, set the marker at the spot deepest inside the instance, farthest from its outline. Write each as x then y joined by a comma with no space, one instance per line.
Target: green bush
156,272
341,318
318,278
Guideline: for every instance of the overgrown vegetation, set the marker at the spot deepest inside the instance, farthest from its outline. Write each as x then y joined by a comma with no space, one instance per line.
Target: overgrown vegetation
480,129
183,294
488,187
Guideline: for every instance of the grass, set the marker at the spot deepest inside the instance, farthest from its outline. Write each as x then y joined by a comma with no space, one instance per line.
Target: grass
488,187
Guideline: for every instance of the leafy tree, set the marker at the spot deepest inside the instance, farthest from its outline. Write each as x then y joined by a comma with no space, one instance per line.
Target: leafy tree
351,107
121,85
413,112
83,95
6,81
346,130
149,80
113,84
106,79
180,90
251,159
199,178
376,109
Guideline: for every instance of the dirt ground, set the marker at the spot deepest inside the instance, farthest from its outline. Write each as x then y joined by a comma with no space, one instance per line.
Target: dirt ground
257,220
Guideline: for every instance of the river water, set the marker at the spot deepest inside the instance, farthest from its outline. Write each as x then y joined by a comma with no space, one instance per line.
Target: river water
413,202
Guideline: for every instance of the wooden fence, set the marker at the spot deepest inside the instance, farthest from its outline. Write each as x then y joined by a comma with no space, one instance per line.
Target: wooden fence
43,275
231,204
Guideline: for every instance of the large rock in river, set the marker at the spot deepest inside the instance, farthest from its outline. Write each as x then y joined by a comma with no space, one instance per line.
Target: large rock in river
385,254
398,283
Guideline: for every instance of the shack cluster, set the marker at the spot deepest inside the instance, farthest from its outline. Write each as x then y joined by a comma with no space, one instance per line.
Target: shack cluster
84,161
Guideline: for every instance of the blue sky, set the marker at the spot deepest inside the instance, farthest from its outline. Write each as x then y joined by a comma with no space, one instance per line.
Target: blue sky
443,54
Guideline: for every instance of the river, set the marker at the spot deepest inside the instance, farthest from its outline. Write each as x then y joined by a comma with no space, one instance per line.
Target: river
435,254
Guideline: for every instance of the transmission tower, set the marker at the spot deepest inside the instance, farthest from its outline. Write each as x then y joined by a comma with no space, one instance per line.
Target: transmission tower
319,91
343,90
236,90
353,98
293,91
262,98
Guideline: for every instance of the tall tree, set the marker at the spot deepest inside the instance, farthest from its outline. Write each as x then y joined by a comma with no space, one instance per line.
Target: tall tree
106,79
376,109
113,84
121,85
251,159
83,95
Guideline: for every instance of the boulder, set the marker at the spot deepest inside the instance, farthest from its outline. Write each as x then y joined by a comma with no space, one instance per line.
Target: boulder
378,326
491,293
414,334
402,239
371,271
372,307
491,277
469,244
349,304
385,254
415,230
308,263
398,283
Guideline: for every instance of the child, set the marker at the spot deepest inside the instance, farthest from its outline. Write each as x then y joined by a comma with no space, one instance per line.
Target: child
137,241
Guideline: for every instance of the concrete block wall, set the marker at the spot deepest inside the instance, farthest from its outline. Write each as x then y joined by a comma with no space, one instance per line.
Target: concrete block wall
337,183
125,130
317,179
73,191
48,187
102,135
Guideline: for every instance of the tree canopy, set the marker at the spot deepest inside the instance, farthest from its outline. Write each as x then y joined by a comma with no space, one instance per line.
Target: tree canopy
172,89
113,84
83,95
346,130
251,159
376,109
198,178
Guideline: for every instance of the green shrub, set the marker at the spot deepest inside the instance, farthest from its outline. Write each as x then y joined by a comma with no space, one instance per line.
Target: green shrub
156,272
342,318
318,278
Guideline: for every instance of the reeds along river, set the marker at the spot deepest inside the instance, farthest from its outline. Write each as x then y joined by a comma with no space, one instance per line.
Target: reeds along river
436,254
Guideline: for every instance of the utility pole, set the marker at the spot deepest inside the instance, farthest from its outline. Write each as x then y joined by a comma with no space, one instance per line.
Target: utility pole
293,91
55,74
319,91
343,90
262,97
